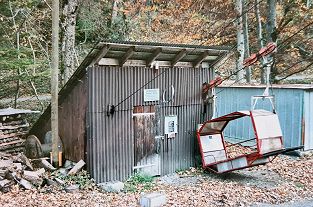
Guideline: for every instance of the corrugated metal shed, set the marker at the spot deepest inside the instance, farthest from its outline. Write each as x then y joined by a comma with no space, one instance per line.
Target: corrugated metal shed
111,138
292,104
113,78
308,119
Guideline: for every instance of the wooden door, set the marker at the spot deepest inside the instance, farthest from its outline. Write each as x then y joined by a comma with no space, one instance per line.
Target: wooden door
147,159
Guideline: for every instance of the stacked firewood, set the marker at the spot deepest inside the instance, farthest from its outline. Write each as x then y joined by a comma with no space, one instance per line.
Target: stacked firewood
17,169
13,129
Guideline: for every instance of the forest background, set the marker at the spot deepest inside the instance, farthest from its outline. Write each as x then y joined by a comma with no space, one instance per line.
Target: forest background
244,25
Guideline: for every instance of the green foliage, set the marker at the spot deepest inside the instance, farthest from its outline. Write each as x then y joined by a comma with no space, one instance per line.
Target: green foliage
10,64
175,21
139,182
82,179
94,22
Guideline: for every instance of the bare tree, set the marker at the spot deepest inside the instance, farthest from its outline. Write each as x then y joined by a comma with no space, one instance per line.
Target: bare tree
308,3
17,33
240,41
260,39
271,35
114,12
70,14
246,42
54,80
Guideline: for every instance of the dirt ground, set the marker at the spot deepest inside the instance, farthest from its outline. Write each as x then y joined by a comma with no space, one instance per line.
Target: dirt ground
287,179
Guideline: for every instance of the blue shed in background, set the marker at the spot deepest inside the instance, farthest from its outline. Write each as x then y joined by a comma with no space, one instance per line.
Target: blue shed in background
294,105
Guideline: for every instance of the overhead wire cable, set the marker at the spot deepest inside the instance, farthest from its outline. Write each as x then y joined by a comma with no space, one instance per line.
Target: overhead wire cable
231,51
303,69
279,45
113,107
229,85
297,32
284,43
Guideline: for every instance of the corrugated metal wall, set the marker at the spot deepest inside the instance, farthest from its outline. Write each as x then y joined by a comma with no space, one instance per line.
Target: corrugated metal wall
308,117
110,139
289,105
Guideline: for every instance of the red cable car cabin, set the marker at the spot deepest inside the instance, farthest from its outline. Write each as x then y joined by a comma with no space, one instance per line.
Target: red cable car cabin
214,149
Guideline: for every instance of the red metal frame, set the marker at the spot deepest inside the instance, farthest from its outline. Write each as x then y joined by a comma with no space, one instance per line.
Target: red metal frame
251,158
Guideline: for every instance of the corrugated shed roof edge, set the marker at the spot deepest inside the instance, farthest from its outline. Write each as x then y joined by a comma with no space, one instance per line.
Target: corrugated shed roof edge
281,86
161,44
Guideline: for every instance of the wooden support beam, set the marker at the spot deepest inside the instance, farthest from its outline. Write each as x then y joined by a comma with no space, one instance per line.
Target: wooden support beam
105,49
115,62
154,56
197,62
178,57
127,55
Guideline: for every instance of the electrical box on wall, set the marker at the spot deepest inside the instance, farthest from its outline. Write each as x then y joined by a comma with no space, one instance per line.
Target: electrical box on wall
170,126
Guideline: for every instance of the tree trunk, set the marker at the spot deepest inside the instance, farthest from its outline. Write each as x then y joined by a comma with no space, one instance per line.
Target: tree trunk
240,42
149,18
260,39
271,21
114,13
271,37
18,83
308,3
246,42
70,13
54,81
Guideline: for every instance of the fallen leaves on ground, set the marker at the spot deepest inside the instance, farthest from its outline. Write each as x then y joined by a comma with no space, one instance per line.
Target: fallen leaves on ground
286,178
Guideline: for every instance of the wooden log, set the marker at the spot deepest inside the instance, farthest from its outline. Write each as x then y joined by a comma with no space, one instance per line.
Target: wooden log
47,165
3,118
14,126
6,144
4,155
4,172
40,172
13,135
27,185
59,181
14,123
11,131
5,185
77,168
32,177
25,161
6,163
15,150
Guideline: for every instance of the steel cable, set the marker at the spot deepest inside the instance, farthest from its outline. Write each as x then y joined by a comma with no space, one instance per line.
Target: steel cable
113,107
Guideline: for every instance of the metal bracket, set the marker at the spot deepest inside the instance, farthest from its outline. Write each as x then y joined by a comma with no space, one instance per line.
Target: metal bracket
111,110
255,99
172,97
158,143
